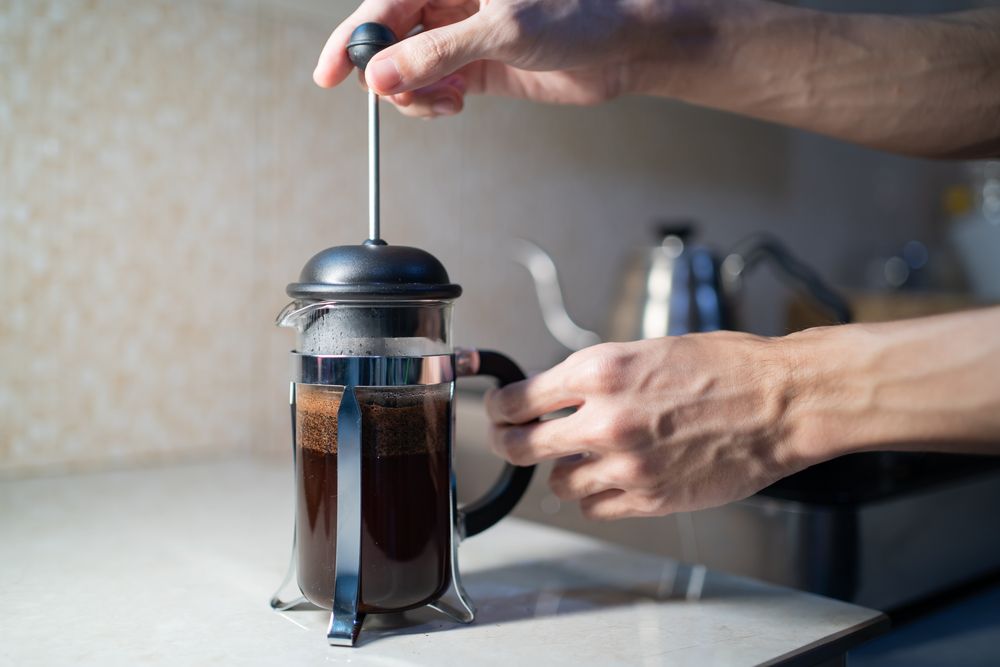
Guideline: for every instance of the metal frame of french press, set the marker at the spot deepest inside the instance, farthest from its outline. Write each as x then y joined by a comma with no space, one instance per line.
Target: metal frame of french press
346,617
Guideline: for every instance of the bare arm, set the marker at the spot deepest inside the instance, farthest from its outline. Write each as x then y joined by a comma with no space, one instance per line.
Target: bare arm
919,85
927,85
930,384
689,422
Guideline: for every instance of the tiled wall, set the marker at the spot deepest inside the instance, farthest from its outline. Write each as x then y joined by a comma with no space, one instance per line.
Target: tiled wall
166,166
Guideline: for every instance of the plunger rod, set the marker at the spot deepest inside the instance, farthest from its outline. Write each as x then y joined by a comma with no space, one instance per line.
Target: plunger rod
373,168
367,40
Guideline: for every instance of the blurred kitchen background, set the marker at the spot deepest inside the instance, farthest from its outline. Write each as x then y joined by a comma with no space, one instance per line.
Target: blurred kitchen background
167,167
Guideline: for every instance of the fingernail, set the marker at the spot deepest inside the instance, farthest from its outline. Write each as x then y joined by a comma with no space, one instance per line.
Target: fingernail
444,106
383,75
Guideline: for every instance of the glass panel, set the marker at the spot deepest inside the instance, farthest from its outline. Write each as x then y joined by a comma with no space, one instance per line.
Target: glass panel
413,328
406,531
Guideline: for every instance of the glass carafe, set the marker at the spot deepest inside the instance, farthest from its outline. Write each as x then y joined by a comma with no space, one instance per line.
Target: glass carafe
377,526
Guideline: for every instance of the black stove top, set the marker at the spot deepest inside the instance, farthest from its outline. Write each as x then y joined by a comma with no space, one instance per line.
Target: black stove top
872,477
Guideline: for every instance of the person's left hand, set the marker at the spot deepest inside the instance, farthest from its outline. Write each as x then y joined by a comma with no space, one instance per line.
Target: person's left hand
661,426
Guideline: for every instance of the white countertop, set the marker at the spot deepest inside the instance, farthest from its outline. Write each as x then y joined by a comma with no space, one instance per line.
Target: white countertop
175,566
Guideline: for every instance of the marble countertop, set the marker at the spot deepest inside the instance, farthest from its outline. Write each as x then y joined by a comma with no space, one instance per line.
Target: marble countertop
175,566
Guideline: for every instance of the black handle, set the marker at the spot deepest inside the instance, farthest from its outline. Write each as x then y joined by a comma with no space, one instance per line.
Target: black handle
367,40
513,481
764,246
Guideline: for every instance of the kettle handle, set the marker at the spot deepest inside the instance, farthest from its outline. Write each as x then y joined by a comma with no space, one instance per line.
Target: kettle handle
505,493
765,247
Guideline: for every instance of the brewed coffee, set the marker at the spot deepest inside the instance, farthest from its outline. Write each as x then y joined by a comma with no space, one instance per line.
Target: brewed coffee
406,523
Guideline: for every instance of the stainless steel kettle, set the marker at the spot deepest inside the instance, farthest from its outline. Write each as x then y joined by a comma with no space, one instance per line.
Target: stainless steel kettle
675,287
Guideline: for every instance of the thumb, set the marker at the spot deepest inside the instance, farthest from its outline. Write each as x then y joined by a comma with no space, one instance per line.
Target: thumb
428,57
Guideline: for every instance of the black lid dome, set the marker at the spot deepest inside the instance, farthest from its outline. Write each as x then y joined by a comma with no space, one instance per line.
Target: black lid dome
373,271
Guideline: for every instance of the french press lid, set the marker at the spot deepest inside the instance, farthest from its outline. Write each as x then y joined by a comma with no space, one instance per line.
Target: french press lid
373,271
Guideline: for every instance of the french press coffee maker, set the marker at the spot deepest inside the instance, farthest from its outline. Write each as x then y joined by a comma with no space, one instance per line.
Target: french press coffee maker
377,525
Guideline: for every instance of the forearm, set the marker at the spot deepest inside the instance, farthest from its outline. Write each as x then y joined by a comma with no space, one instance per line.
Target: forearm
926,85
931,384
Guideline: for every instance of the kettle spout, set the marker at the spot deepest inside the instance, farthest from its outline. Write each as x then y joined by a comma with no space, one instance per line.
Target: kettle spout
550,299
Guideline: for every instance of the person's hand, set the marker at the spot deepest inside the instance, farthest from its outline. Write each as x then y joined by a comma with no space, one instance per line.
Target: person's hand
557,51
661,426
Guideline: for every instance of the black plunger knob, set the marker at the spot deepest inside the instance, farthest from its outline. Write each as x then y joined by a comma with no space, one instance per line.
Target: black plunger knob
367,40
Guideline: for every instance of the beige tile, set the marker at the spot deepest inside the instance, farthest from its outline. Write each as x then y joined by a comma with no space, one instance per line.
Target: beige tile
167,167
127,231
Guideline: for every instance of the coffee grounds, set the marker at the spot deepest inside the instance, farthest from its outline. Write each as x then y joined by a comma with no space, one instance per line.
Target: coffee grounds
316,409
398,420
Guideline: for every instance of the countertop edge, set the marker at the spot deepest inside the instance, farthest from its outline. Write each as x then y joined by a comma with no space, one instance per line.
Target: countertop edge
833,646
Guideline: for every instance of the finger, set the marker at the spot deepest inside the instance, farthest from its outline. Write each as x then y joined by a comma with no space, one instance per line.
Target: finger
577,478
333,65
606,505
583,374
444,98
458,81
444,104
610,505
619,504
429,56
529,444
524,401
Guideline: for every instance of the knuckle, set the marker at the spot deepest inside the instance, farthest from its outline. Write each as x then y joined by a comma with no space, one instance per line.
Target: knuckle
601,368
500,404
653,505
516,447
507,13
598,512
568,483
510,22
610,431
596,436
632,470
433,50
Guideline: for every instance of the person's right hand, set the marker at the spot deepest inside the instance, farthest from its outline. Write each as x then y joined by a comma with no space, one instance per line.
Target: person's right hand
555,51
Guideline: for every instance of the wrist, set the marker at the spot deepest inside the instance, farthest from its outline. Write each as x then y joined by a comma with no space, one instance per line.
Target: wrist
676,44
733,55
824,402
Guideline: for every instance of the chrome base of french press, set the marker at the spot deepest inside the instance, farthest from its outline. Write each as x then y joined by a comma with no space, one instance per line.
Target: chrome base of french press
289,596
454,602
346,619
